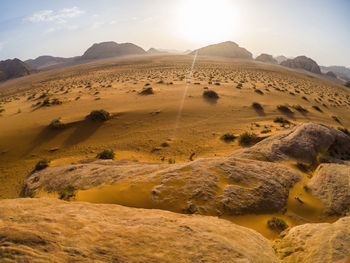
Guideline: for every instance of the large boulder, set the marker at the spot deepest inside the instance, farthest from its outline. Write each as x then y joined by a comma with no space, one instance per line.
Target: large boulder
211,186
315,243
226,49
331,184
302,62
50,230
302,143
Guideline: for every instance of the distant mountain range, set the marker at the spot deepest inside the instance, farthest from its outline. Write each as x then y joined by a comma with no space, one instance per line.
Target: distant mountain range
16,68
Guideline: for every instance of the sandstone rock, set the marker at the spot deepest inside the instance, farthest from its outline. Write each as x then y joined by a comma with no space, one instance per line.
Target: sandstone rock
302,142
211,186
13,68
50,230
315,243
266,58
331,184
226,49
302,62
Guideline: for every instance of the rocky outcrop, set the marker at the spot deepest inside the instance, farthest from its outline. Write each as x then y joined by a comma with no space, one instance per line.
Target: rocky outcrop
302,62
227,49
315,243
43,62
331,184
266,58
50,230
112,49
341,71
210,186
13,68
302,143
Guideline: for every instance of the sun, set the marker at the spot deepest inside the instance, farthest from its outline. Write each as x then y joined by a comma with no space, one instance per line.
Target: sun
202,21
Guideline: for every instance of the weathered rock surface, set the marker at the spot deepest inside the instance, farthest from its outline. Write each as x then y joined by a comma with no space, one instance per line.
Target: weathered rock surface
331,184
302,142
210,186
315,243
266,58
226,49
50,230
302,62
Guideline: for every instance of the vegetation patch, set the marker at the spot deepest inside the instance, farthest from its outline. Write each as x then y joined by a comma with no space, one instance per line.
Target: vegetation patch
67,192
57,124
257,106
99,115
247,139
228,137
277,224
285,109
146,91
210,94
282,121
106,154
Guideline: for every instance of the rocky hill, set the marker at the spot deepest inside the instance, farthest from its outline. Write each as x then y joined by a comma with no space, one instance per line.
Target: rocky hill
111,49
302,62
227,49
13,68
154,51
340,71
266,58
46,61
281,59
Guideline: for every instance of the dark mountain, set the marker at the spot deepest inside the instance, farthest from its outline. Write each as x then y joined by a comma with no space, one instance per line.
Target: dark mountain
280,59
111,49
302,62
266,58
340,71
227,49
13,68
46,61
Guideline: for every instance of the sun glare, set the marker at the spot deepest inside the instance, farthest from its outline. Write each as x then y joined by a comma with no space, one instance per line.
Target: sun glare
206,20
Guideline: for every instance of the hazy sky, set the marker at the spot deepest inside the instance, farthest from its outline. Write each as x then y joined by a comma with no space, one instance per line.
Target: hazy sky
317,28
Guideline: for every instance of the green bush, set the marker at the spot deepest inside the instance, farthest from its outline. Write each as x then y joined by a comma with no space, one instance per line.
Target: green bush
99,115
277,224
106,154
247,139
67,192
42,164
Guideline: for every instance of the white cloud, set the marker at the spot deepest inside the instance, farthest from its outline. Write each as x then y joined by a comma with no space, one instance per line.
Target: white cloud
59,16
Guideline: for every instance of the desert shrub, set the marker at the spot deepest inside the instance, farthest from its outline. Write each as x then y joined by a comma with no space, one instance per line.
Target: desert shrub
67,192
160,82
56,101
259,92
99,115
146,91
300,109
46,102
344,130
210,94
336,119
265,130
2,110
317,108
284,109
106,154
57,124
257,106
165,144
147,84
277,224
239,86
228,137
247,139
322,156
282,121
304,98
304,167
42,164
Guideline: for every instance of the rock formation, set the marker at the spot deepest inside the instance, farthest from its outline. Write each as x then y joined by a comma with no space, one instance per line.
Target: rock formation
302,62
266,58
13,68
227,49
112,49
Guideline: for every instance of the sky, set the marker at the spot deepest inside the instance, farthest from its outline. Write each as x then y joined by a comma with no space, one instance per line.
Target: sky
319,29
